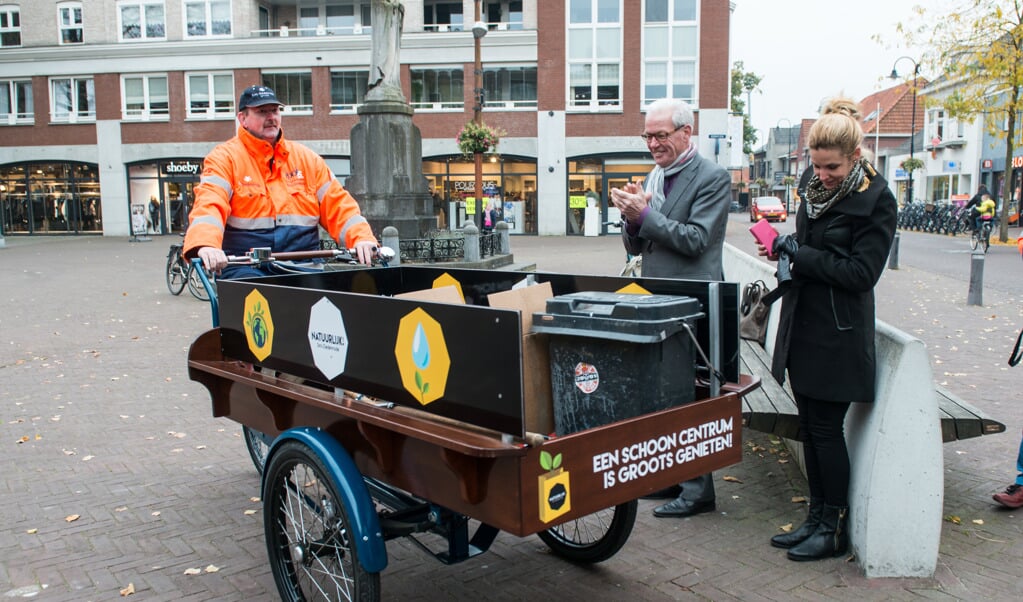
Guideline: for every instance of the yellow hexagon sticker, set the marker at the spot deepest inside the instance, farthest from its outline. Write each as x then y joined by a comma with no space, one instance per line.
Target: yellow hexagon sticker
422,356
446,279
259,325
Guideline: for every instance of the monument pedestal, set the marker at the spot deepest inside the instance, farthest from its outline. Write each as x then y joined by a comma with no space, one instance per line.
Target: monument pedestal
387,170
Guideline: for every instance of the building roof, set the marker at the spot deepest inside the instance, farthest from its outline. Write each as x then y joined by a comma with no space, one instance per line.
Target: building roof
894,107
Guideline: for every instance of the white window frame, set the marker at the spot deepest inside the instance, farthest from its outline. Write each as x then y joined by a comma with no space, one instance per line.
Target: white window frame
70,8
210,112
144,24
14,118
74,114
594,62
207,18
11,10
672,60
292,109
510,105
147,113
338,108
440,106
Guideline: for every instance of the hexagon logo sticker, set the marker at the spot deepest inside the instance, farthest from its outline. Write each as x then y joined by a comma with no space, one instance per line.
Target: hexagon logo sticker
259,325
328,339
446,279
422,356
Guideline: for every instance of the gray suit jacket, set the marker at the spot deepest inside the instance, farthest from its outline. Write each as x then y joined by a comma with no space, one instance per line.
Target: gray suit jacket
684,239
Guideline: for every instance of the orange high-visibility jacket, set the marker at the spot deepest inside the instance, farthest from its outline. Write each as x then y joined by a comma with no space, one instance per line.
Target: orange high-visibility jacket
254,194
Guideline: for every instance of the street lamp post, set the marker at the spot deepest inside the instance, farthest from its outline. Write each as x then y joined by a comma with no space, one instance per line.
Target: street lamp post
788,164
912,120
479,29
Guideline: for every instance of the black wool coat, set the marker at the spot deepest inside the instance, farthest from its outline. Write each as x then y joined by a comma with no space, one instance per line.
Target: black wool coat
826,330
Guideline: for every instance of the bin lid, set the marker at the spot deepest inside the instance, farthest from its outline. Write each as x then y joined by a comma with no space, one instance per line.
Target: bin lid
617,316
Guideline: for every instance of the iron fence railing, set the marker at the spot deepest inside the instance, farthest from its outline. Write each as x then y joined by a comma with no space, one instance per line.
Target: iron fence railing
438,246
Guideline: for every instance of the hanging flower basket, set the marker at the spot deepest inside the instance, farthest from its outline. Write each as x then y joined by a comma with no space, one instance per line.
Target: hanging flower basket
911,165
478,138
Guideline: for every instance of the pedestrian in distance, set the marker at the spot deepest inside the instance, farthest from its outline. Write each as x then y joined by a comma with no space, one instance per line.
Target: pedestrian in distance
677,223
259,189
825,341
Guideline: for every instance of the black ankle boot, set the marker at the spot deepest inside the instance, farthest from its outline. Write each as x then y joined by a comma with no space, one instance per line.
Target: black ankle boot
830,538
813,517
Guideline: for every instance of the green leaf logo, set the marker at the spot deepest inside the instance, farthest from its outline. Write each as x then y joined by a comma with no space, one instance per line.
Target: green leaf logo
549,463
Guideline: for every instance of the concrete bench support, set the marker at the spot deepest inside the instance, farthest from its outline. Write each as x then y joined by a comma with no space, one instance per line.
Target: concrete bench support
897,482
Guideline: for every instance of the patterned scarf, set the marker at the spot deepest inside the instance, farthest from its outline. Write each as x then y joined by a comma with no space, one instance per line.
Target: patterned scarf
655,183
819,199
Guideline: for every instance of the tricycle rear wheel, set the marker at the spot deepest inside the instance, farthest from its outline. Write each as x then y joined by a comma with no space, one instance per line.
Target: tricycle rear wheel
594,537
309,538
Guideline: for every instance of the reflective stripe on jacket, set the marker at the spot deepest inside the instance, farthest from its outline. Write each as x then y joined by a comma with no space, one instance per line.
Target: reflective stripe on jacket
254,194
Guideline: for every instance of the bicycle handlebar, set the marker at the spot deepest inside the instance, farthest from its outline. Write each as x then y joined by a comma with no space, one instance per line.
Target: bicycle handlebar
261,255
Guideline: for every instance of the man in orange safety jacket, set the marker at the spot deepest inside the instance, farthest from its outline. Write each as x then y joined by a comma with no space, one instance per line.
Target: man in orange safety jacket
260,190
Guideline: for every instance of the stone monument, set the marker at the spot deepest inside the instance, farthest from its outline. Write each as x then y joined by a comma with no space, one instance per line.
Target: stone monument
387,149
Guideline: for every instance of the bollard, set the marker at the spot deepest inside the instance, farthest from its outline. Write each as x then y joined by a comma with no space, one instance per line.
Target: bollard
976,295
893,254
503,238
389,238
471,246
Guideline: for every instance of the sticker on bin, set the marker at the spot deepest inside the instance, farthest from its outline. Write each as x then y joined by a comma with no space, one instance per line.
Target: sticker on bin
586,377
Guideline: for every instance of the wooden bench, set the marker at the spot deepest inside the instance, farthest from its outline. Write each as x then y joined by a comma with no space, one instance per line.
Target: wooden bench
772,409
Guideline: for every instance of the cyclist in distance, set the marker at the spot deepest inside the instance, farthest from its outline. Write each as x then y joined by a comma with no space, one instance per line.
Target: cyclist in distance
986,207
260,190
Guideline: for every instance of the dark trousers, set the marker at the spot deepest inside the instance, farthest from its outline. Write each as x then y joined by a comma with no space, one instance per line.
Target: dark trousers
822,431
699,489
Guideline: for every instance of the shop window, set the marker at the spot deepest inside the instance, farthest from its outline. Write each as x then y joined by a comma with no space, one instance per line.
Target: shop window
144,20
439,15
210,95
40,198
144,98
72,99
10,26
16,102
509,87
69,21
594,50
294,89
670,47
347,90
438,89
207,18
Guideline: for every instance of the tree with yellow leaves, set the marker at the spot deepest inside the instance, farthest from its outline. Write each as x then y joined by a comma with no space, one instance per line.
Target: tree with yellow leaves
978,48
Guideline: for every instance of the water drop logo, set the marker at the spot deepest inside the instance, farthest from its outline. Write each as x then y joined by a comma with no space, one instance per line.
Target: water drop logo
422,356
259,325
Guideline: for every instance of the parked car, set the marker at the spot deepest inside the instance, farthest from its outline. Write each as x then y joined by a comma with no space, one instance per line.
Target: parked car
767,207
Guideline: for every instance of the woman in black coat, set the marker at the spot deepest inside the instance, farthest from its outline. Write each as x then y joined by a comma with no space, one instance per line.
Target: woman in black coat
844,230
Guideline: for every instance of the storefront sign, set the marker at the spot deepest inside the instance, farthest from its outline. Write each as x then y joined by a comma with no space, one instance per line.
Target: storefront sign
179,168
1017,162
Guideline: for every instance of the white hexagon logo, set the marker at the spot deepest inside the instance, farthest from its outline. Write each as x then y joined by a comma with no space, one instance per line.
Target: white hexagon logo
328,339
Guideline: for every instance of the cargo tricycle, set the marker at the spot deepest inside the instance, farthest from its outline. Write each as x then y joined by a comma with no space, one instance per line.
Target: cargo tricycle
417,401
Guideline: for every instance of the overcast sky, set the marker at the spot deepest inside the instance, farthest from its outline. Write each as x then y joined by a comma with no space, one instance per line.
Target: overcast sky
809,50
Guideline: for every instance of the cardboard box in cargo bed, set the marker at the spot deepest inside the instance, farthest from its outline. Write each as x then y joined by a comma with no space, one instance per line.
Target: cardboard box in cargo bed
536,364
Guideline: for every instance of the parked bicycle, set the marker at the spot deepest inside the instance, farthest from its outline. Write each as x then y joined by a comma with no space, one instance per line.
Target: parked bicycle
181,273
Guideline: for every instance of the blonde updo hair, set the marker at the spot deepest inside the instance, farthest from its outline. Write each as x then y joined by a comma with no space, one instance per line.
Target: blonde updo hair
838,127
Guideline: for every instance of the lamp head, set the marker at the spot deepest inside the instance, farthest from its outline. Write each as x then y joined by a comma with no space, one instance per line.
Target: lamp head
479,29
894,75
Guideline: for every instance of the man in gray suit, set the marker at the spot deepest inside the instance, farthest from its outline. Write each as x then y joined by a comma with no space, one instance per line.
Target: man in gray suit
677,222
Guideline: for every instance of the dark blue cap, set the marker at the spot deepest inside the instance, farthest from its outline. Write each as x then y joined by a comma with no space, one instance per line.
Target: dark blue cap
257,96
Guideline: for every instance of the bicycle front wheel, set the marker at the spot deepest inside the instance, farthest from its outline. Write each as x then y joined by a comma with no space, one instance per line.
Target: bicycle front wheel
974,240
175,274
987,240
195,284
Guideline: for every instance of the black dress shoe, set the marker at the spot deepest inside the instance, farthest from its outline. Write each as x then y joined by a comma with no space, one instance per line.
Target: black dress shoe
680,508
667,493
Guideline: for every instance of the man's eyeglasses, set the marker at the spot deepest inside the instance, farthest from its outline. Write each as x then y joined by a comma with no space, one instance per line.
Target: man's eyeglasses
660,136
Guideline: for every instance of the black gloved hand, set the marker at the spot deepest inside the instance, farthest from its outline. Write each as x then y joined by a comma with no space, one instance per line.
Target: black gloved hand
785,243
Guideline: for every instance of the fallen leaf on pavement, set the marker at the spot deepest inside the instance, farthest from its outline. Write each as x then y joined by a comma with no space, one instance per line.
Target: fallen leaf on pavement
72,517
951,518
128,590
978,521
193,571
730,479
798,499
250,512
32,531
212,569
786,528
